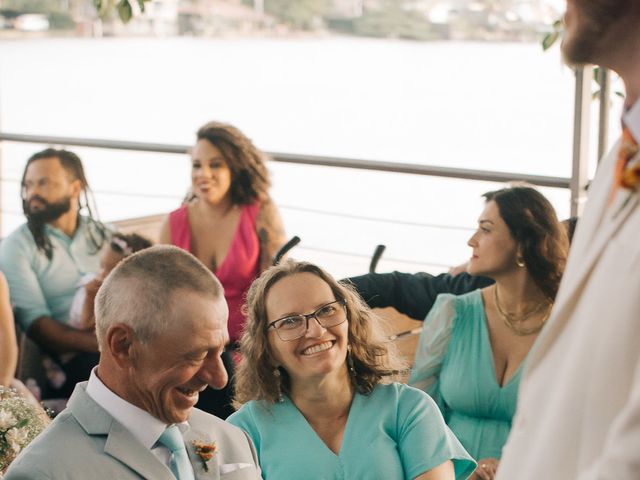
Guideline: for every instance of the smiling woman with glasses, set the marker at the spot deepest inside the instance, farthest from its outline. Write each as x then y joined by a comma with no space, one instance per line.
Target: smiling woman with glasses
293,327
317,392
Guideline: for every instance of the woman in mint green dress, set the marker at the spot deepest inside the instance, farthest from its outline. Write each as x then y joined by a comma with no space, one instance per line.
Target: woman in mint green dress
472,348
314,381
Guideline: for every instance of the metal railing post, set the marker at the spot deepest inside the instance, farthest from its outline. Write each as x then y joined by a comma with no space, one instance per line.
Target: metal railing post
604,79
581,124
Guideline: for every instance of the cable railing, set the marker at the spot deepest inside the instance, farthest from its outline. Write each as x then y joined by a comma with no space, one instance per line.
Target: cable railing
315,211
310,160
316,160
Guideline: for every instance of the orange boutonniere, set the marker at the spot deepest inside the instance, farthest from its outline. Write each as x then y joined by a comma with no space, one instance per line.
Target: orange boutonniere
628,168
206,451
627,171
630,177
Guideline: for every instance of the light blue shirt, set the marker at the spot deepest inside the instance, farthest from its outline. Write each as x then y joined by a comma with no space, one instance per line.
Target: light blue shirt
396,432
42,287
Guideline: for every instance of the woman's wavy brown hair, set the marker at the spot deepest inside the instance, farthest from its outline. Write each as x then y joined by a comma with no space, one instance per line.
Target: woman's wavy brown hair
375,359
249,175
533,224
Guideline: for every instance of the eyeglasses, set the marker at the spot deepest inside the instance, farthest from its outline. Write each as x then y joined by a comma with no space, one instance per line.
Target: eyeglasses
293,327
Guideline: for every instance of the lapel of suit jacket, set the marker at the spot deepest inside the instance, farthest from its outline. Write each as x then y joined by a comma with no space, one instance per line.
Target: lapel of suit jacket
120,443
212,471
599,227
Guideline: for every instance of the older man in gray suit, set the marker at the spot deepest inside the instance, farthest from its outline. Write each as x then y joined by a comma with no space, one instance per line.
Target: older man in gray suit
161,323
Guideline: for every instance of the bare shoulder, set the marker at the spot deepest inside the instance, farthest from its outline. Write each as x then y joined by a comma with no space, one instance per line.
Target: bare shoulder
165,233
271,233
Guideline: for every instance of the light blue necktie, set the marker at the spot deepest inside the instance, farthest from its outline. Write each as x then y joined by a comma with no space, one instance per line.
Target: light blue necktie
180,465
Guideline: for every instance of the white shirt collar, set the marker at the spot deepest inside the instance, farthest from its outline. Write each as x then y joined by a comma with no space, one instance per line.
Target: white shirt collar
631,119
143,426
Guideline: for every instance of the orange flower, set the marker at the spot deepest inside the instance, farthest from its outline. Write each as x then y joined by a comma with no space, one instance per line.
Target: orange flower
630,177
205,451
628,166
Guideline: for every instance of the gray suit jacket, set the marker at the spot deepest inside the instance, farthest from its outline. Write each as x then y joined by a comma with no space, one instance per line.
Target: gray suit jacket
84,442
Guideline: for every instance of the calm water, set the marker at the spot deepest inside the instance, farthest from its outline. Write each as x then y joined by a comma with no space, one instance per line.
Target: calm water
494,106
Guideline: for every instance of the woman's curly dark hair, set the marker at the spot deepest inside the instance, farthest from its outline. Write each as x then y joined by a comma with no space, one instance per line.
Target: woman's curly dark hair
249,175
533,224
375,359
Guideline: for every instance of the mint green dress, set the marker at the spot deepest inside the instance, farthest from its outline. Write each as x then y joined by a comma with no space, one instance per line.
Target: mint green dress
396,432
454,364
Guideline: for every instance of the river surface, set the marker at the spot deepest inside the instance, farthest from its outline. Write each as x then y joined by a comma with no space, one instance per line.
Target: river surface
493,106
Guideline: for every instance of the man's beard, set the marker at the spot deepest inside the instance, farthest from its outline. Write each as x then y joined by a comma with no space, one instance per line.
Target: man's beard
592,22
49,212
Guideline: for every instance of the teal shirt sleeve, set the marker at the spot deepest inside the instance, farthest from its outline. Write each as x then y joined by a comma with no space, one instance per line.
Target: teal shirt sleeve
424,440
27,298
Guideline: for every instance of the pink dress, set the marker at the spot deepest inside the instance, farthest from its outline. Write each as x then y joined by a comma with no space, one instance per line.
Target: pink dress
240,266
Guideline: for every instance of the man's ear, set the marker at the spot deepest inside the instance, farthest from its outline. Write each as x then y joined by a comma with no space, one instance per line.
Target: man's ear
76,189
121,340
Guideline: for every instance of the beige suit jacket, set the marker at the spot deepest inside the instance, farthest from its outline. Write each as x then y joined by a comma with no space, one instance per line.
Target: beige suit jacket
578,415
84,442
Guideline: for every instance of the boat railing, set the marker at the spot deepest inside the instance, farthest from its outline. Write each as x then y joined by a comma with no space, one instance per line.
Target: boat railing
152,222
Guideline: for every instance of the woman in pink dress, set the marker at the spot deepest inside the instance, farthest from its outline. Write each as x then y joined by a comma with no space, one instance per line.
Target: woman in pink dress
228,222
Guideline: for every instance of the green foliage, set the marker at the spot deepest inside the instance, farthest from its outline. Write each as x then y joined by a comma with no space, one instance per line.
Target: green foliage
20,423
32,6
124,8
125,12
553,36
393,21
304,14
61,21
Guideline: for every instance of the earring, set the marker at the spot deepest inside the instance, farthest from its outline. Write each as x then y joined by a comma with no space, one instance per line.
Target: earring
520,262
350,365
278,380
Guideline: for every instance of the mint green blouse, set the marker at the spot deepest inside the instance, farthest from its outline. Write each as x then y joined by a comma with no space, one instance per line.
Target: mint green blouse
454,364
396,432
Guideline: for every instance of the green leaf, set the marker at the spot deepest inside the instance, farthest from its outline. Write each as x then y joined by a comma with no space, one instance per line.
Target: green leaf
125,11
596,75
549,40
141,4
22,423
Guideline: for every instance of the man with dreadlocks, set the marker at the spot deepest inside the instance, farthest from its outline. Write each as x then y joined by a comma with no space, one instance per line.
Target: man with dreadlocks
45,259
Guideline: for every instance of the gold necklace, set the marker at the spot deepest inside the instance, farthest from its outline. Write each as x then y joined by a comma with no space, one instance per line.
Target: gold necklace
510,320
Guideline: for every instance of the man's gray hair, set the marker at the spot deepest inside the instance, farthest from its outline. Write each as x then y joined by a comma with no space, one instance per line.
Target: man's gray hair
139,292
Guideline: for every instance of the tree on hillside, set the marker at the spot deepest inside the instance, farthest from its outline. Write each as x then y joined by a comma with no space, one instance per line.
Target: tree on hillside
59,17
305,14
392,18
32,6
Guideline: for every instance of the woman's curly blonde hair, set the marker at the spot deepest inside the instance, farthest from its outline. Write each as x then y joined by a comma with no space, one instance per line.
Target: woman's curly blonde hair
375,359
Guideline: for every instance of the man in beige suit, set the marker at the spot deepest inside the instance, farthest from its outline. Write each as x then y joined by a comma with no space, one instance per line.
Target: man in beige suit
161,322
578,414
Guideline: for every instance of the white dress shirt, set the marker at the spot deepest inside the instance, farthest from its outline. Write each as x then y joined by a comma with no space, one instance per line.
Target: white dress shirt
143,426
